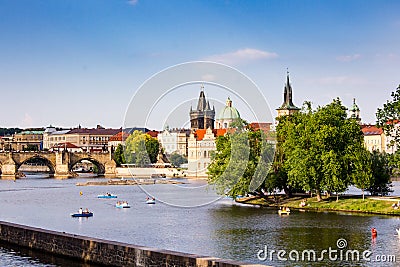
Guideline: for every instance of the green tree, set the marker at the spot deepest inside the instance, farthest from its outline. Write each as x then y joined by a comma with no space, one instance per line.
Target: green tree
277,178
319,148
380,174
152,148
240,162
389,115
177,159
362,176
9,131
119,156
141,149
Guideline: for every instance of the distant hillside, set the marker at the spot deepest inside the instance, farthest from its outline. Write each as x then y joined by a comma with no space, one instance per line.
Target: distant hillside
9,131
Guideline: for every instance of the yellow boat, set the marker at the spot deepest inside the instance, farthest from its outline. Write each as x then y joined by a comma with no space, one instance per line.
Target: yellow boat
284,211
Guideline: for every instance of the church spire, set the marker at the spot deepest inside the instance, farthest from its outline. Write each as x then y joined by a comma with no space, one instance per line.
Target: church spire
201,104
287,107
203,117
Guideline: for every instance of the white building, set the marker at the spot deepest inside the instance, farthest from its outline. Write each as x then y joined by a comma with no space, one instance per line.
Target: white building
52,137
390,143
174,141
90,140
200,145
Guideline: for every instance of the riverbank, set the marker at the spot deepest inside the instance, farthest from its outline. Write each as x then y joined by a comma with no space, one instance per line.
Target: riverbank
369,205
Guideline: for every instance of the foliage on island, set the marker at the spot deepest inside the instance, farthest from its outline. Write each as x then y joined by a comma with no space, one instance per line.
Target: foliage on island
177,159
241,159
141,149
119,156
317,151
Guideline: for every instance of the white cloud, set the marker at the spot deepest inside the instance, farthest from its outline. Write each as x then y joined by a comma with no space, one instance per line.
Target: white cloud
133,2
388,57
27,120
241,56
348,58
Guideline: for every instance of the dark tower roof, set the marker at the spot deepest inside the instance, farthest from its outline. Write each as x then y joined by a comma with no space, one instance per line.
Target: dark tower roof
203,117
288,97
201,105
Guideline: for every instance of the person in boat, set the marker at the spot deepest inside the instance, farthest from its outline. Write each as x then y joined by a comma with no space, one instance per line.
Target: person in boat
108,194
153,198
86,210
80,211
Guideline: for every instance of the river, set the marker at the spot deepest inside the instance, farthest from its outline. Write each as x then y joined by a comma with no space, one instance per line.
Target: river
192,218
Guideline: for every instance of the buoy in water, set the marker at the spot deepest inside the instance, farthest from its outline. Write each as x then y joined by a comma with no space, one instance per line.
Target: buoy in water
374,232
80,193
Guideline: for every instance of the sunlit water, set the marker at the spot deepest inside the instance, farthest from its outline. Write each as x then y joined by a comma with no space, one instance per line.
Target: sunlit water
192,219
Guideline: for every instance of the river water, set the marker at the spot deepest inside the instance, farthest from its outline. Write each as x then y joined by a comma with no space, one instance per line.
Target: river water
192,218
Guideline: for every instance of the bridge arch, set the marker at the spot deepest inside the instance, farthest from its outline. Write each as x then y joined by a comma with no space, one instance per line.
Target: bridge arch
38,158
100,166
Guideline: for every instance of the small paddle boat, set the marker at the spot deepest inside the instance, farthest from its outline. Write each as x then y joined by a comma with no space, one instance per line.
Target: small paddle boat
284,211
151,201
122,204
82,214
107,195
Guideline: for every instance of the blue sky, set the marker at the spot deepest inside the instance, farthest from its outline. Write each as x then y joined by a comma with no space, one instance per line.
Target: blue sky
80,61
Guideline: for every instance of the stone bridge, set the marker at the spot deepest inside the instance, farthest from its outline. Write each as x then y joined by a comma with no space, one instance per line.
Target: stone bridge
59,163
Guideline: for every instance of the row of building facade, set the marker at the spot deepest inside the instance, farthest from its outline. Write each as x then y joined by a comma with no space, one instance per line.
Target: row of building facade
196,143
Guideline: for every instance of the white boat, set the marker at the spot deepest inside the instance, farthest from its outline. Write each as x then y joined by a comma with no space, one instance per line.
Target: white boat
398,232
151,201
122,204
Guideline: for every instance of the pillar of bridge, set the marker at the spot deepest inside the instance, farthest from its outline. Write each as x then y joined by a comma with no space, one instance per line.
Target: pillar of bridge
110,168
62,165
9,168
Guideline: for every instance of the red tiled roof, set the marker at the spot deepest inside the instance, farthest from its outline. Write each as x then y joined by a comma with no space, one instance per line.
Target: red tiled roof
65,145
264,126
199,134
371,130
220,132
121,136
94,131
153,133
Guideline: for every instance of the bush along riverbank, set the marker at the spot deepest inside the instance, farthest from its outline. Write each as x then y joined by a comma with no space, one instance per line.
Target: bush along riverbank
371,205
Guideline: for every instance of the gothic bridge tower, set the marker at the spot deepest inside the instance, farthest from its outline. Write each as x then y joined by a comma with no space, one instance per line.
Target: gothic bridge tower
203,117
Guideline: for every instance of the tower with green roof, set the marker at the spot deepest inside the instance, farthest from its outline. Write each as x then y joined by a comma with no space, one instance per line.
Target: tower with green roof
227,115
